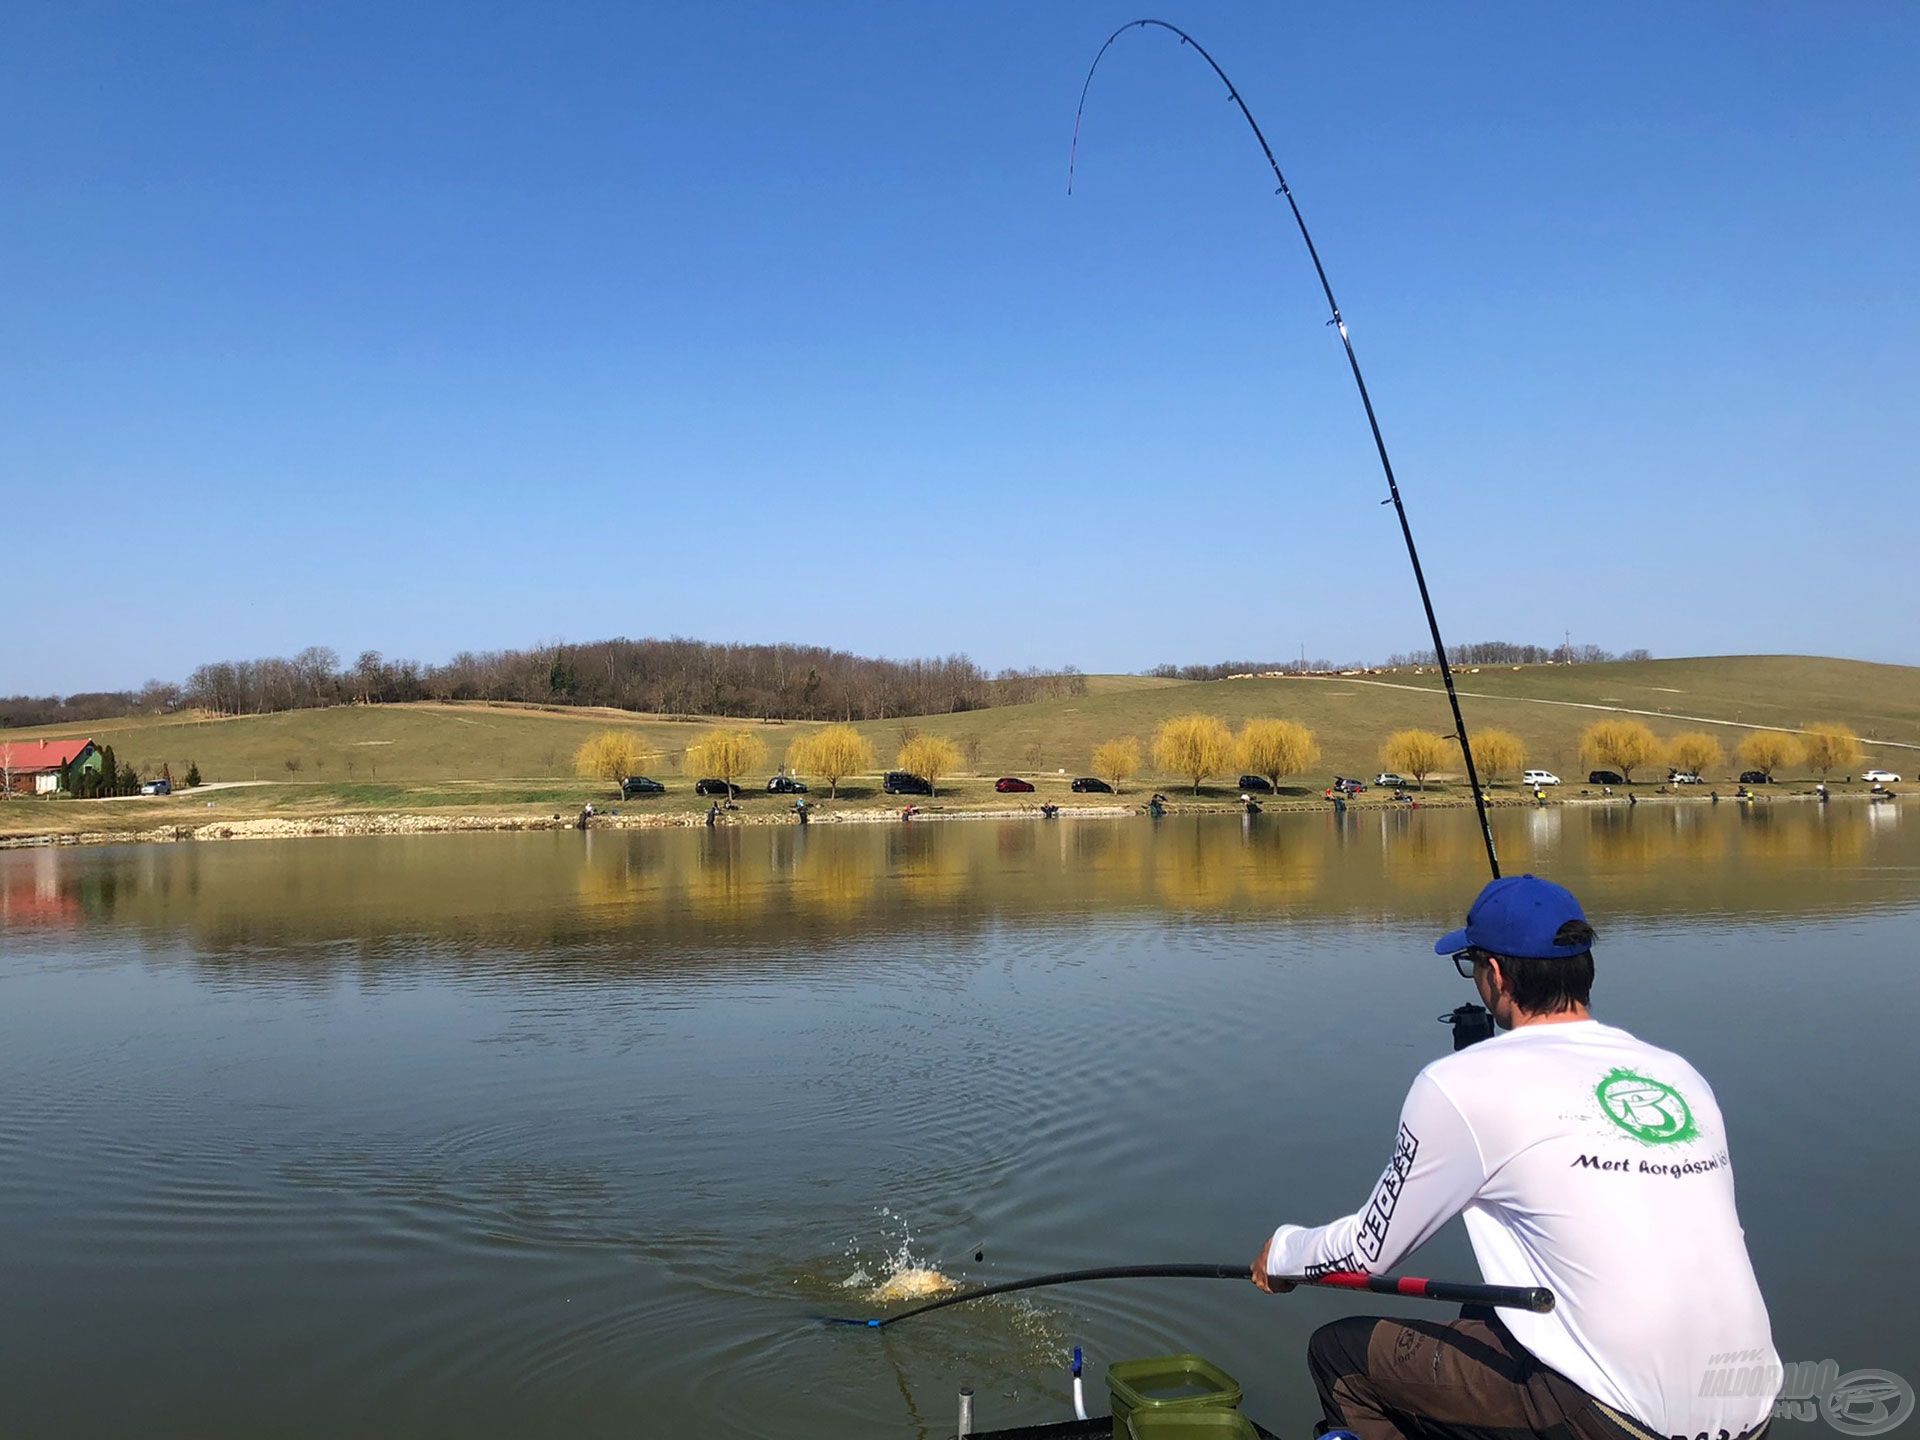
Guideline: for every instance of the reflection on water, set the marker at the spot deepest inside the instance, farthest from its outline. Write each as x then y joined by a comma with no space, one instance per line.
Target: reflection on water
785,886
498,1135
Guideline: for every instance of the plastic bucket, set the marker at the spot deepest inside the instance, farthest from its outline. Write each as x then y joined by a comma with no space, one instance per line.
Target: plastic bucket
1164,1424
1169,1383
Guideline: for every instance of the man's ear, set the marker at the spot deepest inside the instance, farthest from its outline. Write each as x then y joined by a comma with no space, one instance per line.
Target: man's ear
1496,976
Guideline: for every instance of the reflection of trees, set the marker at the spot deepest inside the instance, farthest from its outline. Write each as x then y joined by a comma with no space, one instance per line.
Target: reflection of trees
1645,836
1833,835
674,900
1215,864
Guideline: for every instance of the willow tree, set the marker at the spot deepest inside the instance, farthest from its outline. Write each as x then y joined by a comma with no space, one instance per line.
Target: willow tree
930,757
1623,745
1418,753
1767,750
1497,753
831,755
1275,748
727,755
1829,747
1117,761
1196,746
1694,752
611,755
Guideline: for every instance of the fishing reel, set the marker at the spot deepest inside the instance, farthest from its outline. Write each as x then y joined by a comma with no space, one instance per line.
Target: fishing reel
1471,1024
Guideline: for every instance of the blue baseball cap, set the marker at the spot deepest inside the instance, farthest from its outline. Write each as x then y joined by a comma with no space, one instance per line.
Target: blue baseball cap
1517,915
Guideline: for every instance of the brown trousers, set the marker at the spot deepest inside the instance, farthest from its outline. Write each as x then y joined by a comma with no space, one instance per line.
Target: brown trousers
1436,1380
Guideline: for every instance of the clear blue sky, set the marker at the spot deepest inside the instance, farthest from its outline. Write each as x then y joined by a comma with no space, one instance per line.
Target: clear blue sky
425,327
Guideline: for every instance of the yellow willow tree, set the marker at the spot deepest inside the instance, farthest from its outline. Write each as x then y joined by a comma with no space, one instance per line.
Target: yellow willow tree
1418,753
930,757
727,755
832,755
611,755
1829,747
1623,745
1767,750
1196,746
1694,751
1275,748
1117,761
1497,753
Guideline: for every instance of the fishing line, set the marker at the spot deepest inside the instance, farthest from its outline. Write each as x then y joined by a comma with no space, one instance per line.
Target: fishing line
1353,363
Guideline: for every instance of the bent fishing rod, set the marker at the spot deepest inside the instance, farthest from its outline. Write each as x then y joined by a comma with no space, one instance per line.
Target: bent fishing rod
1503,1297
1353,363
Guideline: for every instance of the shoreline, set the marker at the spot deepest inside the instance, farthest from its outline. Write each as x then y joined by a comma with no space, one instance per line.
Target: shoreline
359,823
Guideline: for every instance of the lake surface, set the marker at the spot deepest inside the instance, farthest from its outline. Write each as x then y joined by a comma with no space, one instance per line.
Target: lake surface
545,1134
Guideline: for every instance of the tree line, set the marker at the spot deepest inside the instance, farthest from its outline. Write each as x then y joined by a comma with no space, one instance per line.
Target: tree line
1476,652
1506,652
673,677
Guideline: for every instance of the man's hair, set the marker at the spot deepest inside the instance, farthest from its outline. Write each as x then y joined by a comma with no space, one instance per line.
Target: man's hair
1551,987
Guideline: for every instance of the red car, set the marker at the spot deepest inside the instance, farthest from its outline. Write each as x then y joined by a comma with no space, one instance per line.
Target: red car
1008,785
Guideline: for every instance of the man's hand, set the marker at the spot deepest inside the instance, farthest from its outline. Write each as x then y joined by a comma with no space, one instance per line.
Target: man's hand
1265,1281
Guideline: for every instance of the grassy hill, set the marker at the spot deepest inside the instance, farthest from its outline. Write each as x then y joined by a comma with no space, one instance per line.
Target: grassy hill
519,757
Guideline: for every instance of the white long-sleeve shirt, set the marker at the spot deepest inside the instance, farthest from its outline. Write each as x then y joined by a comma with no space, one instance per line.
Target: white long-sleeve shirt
1596,1165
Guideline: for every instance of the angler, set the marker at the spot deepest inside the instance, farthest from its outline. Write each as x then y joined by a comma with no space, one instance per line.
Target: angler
1507,1134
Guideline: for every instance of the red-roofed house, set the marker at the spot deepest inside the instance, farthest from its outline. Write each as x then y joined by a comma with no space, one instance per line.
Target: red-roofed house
39,766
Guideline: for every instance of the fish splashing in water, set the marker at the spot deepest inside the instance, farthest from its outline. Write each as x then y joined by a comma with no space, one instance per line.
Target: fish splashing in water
905,1276
913,1282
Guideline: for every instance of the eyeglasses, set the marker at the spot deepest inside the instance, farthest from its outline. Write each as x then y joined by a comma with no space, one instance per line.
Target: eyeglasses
1465,960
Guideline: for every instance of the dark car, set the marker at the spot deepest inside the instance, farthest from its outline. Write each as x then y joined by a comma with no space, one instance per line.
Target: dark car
786,785
1348,787
1087,785
1257,783
636,785
1009,785
712,787
1605,777
900,782
1755,777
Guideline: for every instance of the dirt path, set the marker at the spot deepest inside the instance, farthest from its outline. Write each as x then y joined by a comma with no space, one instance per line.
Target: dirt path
1612,710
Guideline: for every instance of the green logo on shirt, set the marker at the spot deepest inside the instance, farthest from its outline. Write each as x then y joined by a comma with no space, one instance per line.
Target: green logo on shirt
1652,1112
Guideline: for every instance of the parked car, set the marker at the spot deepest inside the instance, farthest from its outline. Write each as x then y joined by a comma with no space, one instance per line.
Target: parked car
899,782
1387,780
1547,777
1087,785
1348,787
1755,777
1682,777
635,786
1012,785
1872,777
1605,777
712,787
786,785
1256,783
165,787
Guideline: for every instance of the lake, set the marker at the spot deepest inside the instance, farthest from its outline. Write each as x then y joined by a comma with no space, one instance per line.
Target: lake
561,1133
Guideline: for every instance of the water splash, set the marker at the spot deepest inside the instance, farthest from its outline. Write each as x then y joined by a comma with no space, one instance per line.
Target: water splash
902,1273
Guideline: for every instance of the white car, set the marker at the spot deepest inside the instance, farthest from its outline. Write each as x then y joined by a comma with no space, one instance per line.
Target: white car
1539,777
1387,780
1682,777
1879,777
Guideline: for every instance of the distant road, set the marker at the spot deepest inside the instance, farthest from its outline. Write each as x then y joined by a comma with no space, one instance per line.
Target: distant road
1591,705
